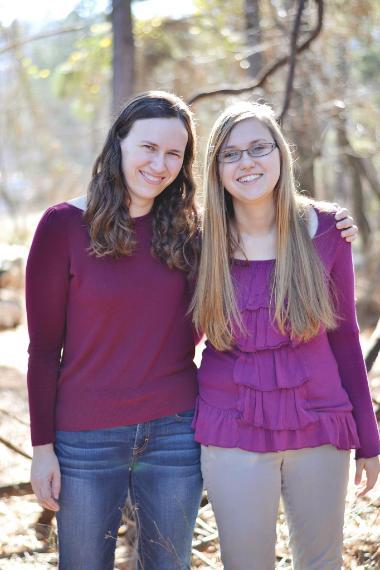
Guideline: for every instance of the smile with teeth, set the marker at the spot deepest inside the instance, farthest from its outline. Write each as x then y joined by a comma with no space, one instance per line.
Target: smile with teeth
246,179
151,178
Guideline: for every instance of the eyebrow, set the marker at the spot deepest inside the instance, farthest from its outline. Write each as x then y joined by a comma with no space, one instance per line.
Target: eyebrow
250,143
170,149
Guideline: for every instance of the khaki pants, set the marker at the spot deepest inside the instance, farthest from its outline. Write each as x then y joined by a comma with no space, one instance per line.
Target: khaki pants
245,487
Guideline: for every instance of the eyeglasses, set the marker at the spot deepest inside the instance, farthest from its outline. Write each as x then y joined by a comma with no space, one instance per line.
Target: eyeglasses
254,151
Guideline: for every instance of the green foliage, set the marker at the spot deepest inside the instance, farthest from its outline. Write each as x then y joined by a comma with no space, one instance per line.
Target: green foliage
65,79
84,77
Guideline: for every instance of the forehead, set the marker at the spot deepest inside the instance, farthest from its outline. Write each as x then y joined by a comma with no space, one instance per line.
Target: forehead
247,131
160,131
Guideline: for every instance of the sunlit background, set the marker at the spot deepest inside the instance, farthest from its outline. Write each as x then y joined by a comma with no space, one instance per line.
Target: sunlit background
57,101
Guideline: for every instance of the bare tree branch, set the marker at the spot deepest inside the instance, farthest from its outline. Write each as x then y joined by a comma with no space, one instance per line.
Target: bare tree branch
13,417
20,43
293,57
268,70
14,448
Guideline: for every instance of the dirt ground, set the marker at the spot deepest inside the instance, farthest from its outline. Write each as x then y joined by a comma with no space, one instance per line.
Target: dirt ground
23,546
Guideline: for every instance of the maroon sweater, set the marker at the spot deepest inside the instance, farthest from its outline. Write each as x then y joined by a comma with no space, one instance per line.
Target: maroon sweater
110,341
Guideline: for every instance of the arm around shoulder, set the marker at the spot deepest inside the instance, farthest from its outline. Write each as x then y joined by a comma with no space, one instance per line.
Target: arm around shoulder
345,344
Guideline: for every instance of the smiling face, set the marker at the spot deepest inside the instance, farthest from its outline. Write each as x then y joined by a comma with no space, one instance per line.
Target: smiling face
152,157
250,179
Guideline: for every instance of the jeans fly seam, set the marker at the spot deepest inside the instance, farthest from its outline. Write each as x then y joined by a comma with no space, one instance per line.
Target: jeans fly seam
136,451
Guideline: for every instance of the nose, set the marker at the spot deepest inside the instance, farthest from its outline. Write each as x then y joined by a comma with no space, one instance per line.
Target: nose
246,160
158,162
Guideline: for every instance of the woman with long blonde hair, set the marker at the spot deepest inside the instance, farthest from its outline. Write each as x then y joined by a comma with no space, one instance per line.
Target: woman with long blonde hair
283,391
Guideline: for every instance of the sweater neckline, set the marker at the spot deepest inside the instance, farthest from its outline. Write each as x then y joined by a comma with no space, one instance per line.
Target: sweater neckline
138,220
321,229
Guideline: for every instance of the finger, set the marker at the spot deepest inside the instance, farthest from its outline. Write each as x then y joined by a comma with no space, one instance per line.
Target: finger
47,503
44,496
364,491
341,213
345,223
56,485
351,231
358,472
371,480
49,506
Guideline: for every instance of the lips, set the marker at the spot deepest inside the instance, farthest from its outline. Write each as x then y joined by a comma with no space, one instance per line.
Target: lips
151,178
249,178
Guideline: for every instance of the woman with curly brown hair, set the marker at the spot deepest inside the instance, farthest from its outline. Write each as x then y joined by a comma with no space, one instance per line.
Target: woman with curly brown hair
112,383
108,284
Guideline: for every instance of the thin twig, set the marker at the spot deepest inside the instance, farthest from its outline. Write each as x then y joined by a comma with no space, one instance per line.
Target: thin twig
44,36
14,448
14,417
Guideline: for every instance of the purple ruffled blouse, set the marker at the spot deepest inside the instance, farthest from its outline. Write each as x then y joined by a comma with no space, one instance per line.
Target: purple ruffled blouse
271,392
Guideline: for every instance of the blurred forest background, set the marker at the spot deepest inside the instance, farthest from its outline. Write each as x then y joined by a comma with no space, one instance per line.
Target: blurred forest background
61,82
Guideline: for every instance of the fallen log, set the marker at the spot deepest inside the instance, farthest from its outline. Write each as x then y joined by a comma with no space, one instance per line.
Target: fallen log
10,309
16,490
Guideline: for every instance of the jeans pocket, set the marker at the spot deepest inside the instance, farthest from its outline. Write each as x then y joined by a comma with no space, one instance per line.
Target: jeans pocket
186,416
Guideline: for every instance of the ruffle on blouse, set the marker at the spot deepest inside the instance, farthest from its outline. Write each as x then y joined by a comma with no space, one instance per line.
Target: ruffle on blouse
260,330
223,428
272,389
271,374
270,371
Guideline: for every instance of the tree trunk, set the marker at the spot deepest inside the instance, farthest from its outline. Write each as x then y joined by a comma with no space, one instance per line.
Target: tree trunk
305,132
373,348
253,38
123,54
355,179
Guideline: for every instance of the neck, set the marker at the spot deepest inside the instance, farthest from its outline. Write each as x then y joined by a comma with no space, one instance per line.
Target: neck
140,208
256,219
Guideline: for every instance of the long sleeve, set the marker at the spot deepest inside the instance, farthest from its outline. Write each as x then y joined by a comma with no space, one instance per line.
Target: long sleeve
344,341
47,279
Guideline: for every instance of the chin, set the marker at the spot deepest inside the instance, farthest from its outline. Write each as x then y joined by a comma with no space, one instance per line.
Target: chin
257,195
150,193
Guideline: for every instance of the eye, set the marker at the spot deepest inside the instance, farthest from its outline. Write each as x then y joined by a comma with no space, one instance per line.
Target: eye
230,154
176,154
148,146
259,147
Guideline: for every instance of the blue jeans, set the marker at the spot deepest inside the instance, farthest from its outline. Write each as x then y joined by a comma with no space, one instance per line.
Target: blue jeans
157,465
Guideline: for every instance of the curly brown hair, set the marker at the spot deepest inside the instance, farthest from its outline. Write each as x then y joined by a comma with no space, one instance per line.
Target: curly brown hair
175,223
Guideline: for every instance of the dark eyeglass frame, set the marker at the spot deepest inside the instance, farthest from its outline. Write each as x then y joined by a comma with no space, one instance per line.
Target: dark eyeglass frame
239,152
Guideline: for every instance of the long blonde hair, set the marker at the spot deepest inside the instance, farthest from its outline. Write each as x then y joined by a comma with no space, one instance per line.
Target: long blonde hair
300,298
